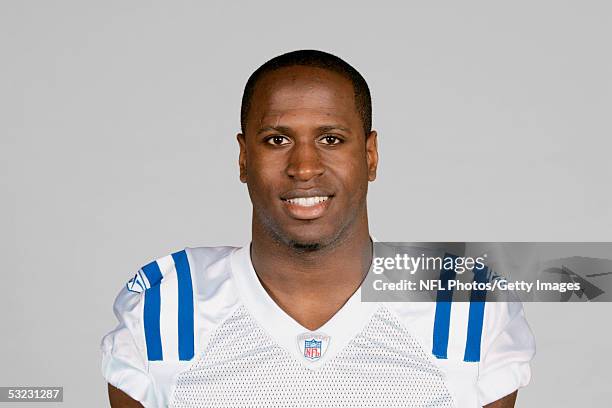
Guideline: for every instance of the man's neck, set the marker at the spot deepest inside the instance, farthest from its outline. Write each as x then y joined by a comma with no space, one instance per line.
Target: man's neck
311,286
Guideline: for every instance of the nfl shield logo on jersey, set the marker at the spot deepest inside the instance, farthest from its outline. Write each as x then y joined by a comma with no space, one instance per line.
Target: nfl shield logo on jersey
313,345
312,349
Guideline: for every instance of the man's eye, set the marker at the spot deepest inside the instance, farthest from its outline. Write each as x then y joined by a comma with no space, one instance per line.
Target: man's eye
277,140
331,140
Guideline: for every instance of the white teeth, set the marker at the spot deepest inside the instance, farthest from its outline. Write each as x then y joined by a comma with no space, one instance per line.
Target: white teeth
307,201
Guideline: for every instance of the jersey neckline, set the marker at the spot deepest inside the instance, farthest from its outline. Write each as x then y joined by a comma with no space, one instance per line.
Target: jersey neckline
282,328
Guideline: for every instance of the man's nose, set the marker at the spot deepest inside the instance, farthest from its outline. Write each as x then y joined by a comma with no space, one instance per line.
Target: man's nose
304,162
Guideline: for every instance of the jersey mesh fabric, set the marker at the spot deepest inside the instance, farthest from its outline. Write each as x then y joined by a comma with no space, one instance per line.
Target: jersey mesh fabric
383,366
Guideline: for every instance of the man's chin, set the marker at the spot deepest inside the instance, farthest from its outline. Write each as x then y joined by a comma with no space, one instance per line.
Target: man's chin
305,246
305,236
315,241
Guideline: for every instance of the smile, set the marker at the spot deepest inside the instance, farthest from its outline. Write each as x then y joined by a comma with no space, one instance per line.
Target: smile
307,208
307,201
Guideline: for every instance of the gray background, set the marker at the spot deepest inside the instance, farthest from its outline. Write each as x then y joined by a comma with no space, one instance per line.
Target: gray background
118,123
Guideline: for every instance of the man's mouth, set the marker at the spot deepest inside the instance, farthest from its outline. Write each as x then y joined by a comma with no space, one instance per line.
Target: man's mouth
307,201
306,205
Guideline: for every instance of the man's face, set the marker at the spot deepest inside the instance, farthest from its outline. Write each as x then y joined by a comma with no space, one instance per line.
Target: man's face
305,157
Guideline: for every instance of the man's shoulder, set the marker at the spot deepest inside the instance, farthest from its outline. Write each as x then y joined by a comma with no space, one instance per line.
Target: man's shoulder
458,331
179,265
161,303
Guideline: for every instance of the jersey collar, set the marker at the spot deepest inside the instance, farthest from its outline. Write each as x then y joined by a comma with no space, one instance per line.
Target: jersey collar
340,329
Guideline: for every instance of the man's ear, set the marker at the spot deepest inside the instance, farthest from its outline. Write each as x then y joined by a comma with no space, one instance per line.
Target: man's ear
372,154
242,158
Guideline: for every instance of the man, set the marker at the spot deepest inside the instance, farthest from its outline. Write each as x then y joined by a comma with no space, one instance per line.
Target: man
280,322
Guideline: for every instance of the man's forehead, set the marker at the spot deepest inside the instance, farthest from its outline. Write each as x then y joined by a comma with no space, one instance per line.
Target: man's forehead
315,93
299,75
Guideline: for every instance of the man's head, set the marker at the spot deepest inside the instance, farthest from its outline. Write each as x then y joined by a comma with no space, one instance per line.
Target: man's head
306,149
317,59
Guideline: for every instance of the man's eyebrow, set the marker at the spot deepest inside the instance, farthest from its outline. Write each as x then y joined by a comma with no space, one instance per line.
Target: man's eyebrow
328,128
284,129
280,129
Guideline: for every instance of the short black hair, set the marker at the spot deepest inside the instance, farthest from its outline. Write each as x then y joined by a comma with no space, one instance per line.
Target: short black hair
317,59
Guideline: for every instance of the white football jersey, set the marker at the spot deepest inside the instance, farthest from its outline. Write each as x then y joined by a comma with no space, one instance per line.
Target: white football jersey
197,329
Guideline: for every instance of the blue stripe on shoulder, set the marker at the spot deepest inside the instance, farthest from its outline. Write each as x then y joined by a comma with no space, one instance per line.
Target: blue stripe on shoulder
185,306
153,273
443,310
152,307
476,317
